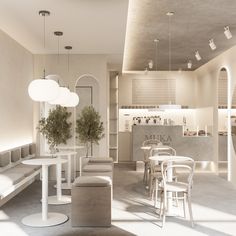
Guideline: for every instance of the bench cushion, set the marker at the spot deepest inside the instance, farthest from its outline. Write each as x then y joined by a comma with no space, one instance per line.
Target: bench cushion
92,181
25,151
15,155
5,159
100,160
23,169
97,168
8,179
13,177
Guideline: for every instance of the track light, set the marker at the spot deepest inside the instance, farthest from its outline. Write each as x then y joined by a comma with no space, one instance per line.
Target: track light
227,32
212,44
150,64
197,55
189,64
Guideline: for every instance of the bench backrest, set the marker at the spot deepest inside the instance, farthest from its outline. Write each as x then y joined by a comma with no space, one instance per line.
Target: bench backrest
14,156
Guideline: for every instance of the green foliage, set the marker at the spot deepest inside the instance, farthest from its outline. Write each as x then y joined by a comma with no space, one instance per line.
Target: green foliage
56,127
89,127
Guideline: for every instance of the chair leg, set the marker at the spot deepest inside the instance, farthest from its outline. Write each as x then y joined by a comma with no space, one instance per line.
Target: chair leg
176,199
156,193
184,205
190,210
144,173
164,209
161,205
150,187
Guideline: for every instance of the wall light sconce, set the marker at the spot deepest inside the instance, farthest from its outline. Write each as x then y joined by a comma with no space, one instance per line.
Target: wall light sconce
227,32
212,44
197,55
189,64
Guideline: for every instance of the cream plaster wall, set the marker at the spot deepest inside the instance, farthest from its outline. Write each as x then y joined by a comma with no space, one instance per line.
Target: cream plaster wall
185,86
16,108
79,65
207,82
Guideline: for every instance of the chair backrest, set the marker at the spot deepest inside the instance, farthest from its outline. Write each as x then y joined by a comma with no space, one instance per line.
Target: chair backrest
185,165
162,150
151,142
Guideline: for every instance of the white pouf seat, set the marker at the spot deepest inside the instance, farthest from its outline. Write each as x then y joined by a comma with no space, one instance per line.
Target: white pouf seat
91,201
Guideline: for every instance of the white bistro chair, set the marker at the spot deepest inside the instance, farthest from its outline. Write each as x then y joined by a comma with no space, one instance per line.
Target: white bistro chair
184,187
155,176
147,145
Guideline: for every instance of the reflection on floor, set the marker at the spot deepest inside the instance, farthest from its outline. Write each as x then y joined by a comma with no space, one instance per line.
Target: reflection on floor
214,208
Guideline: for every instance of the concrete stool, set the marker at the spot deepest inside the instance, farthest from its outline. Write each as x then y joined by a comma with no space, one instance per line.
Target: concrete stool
100,160
98,170
91,201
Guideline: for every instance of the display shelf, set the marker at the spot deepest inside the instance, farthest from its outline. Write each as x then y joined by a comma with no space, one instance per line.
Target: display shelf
114,114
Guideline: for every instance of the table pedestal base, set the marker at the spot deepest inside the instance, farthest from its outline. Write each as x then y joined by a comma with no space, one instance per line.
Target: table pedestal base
64,199
36,220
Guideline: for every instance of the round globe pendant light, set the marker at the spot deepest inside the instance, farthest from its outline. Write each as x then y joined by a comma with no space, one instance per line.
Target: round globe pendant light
63,96
53,77
43,90
73,100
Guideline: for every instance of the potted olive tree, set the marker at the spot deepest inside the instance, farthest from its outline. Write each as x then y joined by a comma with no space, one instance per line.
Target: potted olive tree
89,127
56,128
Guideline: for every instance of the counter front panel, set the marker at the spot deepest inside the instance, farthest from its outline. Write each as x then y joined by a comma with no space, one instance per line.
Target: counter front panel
200,148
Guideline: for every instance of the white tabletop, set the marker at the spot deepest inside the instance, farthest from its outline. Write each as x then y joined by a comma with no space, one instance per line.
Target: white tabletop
44,161
146,147
166,158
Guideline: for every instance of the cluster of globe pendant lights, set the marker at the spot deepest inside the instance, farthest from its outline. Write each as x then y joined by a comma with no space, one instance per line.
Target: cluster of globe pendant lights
48,90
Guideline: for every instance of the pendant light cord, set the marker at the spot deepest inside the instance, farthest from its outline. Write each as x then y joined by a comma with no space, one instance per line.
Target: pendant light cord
68,61
170,14
44,31
156,55
169,29
44,44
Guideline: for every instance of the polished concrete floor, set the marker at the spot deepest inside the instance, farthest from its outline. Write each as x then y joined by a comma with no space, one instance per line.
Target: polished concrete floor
214,208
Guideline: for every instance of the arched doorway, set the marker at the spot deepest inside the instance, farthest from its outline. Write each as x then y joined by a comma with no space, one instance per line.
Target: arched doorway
87,88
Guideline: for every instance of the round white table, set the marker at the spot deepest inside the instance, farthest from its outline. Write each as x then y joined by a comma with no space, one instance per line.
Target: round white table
69,155
59,199
169,176
71,148
45,218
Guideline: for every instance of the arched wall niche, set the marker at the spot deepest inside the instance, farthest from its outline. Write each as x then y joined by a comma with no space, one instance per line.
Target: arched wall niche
228,119
87,87
222,118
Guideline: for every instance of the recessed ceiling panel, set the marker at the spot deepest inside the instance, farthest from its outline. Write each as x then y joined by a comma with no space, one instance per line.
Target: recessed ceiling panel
192,26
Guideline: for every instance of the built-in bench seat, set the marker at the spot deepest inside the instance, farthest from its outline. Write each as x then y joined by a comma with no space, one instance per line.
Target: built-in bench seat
15,176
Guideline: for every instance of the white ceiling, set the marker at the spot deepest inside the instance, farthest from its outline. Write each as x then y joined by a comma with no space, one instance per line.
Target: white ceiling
90,26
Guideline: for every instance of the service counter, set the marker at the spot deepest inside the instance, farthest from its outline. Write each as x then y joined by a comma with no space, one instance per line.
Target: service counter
200,148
